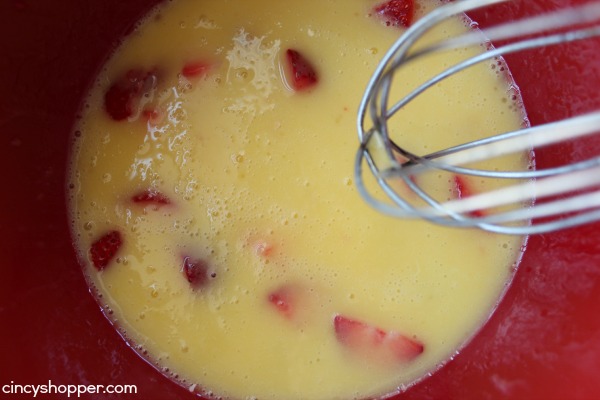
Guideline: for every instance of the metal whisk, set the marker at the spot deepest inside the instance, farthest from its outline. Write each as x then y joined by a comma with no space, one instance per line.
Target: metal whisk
534,200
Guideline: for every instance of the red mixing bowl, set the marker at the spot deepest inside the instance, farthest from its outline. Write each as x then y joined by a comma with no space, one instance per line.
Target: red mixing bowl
543,342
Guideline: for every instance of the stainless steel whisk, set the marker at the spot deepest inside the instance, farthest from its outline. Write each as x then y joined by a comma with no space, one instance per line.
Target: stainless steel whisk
537,200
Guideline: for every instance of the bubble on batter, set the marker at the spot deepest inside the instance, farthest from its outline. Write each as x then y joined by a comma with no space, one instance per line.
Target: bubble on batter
204,22
154,292
252,55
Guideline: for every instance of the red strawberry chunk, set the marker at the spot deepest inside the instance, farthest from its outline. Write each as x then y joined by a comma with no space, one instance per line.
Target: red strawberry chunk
195,69
153,115
284,299
303,74
105,248
375,344
151,196
282,302
463,190
197,271
122,98
397,13
263,248
293,301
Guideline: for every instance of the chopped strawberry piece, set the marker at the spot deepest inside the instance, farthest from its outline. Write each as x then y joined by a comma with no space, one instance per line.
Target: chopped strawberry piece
154,115
195,69
105,248
263,248
303,73
463,190
151,196
375,344
396,12
282,300
121,99
197,271
260,245
294,302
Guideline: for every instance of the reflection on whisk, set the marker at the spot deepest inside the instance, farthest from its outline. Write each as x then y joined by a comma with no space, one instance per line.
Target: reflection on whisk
529,200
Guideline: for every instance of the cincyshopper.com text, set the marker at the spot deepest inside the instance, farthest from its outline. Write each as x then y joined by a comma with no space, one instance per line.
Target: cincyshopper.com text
65,390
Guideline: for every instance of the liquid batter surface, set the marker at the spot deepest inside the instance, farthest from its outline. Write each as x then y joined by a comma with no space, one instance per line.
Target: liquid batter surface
214,209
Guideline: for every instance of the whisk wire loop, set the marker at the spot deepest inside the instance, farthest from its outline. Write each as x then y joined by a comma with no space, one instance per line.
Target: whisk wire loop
542,200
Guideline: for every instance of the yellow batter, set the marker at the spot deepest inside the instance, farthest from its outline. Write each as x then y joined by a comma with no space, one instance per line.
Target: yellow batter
245,263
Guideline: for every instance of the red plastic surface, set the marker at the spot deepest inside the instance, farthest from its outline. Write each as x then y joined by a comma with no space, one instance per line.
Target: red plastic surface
543,342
